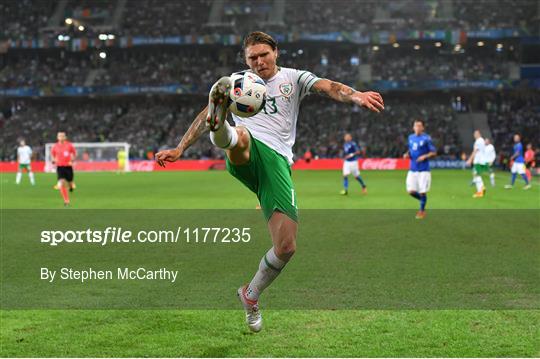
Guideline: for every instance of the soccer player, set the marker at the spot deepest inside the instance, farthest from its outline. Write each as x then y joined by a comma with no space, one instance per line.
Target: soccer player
121,156
421,149
350,164
530,162
259,150
518,167
24,159
476,159
63,154
490,156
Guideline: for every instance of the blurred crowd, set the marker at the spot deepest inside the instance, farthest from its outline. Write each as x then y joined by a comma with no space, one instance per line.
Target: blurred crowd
158,68
40,70
431,65
191,66
514,114
362,15
322,124
150,124
61,68
146,124
24,18
156,18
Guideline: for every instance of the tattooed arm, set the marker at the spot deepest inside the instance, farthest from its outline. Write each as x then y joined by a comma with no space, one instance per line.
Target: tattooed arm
195,131
343,93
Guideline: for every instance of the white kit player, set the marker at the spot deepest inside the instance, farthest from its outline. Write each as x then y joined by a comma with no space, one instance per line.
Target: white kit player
259,150
490,155
24,161
477,159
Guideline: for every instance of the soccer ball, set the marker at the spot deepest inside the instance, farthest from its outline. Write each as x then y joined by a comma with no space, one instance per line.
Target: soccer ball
248,94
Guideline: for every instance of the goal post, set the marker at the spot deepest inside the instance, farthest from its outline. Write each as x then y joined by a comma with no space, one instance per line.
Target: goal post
95,156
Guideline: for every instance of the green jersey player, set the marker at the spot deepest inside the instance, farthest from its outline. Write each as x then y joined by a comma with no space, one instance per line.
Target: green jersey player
259,150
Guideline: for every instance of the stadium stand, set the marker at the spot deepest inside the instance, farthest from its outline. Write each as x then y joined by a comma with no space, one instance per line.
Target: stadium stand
149,121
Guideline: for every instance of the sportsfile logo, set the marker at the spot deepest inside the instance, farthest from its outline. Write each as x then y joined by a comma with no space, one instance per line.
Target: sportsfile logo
122,236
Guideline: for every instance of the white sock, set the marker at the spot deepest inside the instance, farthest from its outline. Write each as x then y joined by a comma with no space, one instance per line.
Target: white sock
269,268
492,179
18,178
479,184
225,137
32,179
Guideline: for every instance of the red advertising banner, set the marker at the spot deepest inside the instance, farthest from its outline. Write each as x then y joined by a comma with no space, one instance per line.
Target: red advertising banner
365,164
204,165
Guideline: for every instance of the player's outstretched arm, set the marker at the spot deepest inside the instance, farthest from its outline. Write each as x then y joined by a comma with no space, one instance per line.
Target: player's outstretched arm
194,132
343,93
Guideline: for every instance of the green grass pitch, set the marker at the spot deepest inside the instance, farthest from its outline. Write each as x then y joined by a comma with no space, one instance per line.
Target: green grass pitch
310,333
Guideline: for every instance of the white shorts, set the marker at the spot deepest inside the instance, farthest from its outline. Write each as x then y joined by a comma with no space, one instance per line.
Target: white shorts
418,181
351,167
518,168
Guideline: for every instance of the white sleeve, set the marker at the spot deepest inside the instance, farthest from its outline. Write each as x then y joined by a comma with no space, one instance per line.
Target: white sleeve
305,80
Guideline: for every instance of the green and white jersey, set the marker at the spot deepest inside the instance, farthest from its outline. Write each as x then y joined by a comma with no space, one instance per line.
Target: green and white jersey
275,124
24,153
480,147
489,154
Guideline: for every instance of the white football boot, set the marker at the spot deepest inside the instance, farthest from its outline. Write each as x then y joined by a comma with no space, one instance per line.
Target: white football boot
253,315
218,103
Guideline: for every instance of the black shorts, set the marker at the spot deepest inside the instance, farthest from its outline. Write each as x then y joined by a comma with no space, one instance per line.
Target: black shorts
64,172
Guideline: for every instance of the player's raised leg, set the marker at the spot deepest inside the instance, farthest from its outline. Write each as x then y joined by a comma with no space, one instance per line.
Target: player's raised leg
234,140
217,103
236,143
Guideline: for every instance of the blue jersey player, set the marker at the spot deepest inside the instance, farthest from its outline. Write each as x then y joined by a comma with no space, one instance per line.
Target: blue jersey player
421,149
518,167
351,150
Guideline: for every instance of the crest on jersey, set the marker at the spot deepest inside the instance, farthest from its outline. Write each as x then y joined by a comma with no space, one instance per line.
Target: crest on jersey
286,89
